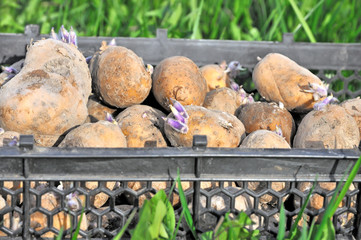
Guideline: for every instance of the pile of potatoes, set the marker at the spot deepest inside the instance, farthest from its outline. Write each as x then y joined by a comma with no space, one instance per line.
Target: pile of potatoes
118,101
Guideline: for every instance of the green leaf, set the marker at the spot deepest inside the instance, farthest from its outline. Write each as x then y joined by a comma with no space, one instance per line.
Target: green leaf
145,216
207,235
282,224
187,213
76,233
159,213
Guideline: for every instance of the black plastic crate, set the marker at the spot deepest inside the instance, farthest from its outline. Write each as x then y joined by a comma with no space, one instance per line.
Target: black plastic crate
228,173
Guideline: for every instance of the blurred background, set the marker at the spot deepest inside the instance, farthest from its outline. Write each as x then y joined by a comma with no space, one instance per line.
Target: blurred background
266,20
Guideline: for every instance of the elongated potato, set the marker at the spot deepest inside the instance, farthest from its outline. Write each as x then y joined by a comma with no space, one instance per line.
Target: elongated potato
119,77
222,129
141,123
280,79
330,128
50,93
178,78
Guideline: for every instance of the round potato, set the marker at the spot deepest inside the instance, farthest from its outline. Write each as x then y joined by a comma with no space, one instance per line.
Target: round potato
353,107
280,79
330,128
223,99
119,77
264,139
263,115
222,129
178,78
102,134
141,123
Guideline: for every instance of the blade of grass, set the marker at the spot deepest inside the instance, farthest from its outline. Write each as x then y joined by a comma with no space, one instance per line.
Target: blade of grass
348,183
293,230
184,204
76,233
309,15
310,232
196,32
60,235
327,215
282,224
124,228
178,225
302,21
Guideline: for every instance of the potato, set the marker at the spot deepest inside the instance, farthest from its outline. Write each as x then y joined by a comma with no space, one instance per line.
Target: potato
215,76
119,77
141,123
178,78
263,115
222,129
353,107
37,100
101,134
280,79
264,139
330,128
97,110
223,99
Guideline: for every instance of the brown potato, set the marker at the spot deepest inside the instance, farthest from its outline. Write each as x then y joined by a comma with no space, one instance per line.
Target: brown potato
264,139
101,134
215,76
97,110
280,79
353,107
37,100
223,99
178,78
330,128
141,123
263,115
119,77
222,129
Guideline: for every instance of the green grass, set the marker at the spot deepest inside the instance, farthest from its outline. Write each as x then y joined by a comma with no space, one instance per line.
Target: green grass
309,20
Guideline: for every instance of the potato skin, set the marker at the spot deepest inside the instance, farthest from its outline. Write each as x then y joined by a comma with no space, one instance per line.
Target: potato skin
36,101
101,134
179,78
263,115
97,110
215,76
264,139
279,79
119,77
223,99
141,123
331,128
353,107
222,129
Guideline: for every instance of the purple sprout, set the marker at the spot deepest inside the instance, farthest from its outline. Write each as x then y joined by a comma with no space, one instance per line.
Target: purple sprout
53,35
278,131
235,86
110,118
63,34
112,42
87,59
14,142
9,70
177,115
2,131
72,201
318,91
176,125
322,104
178,106
72,37
233,69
